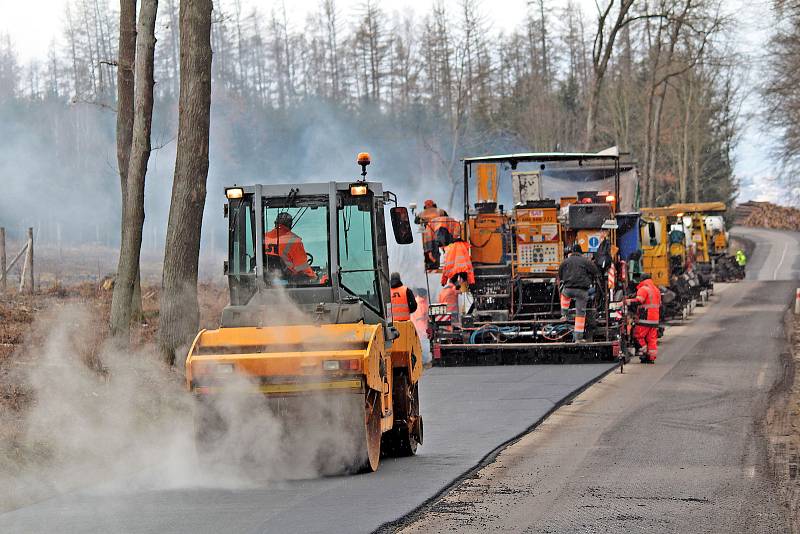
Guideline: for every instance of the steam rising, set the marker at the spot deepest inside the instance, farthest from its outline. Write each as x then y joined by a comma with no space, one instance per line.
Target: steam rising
124,422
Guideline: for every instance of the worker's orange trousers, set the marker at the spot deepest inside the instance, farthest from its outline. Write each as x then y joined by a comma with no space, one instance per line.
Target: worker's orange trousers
647,337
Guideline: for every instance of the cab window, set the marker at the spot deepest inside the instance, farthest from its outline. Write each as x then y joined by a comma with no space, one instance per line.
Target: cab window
357,250
295,243
241,244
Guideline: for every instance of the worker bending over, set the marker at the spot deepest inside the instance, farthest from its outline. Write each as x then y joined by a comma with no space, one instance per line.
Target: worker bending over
648,297
403,301
457,265
576,273
282,243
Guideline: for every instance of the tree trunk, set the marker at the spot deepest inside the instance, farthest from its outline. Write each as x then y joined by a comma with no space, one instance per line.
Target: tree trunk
125,88
133,212
179,308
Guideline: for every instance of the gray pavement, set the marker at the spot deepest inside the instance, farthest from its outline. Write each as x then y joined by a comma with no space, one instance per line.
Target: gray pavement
468,413
674,447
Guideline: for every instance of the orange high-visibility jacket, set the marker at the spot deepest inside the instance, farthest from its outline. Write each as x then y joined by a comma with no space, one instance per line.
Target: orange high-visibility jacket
289,247
420,316
449,295
400,308
448,223
649,298
456,261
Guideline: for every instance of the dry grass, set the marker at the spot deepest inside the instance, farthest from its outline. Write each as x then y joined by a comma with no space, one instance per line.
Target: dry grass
783,426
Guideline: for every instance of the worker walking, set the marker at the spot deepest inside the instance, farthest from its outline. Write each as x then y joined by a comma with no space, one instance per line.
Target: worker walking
403,301
576,273
648,298
282,243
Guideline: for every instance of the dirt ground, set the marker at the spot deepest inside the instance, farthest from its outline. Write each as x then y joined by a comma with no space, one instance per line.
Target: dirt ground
783,425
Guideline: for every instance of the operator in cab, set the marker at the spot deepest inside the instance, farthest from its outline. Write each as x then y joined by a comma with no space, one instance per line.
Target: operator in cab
403,301
282,243
577,273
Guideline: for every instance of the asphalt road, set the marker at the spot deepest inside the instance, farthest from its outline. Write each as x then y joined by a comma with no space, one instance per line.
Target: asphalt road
468,413
674,447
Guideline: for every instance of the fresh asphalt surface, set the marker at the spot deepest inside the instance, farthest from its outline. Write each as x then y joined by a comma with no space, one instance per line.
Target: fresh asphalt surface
674,447
468,412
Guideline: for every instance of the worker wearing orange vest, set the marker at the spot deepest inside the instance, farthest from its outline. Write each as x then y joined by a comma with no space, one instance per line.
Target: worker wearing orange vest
445,229
648,297
282,243
429,211
403,301
420,316
457,264
449,295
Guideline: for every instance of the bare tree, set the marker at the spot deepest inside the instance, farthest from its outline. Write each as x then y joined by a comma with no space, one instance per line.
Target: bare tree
133,196
179,308
608,27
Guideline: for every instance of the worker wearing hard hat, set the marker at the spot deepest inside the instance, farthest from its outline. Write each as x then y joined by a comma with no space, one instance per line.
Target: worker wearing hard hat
429,211
577,274
282,243
648,298
403,301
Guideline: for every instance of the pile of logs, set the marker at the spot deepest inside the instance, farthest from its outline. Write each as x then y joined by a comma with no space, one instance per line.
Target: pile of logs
768,215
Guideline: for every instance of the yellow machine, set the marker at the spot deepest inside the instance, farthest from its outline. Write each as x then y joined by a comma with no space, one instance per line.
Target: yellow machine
323,329
663,249
694,222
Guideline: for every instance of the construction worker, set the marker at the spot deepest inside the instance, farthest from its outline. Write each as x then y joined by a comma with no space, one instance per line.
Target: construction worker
282,243
648,298
445,229
576,274
449,295
457,265
420,319
741,259
420,315
403,301
430,248
429,211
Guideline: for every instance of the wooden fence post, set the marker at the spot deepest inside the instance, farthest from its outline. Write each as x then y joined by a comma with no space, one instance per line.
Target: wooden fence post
27,278
2,259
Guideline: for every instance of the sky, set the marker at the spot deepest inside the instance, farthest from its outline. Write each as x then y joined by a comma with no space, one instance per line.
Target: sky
34,24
